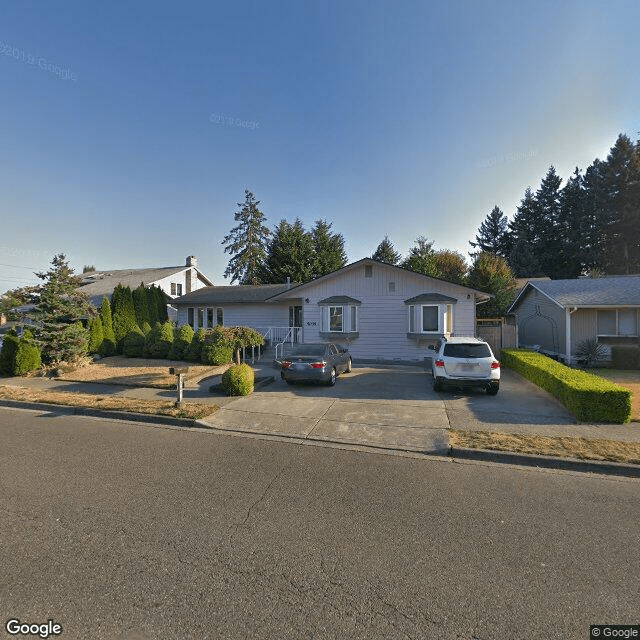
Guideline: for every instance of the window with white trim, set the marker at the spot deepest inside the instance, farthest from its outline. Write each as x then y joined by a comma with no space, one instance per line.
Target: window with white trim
335,319
209,318
200,317
430,318
412,318
353,318
220,316
190,312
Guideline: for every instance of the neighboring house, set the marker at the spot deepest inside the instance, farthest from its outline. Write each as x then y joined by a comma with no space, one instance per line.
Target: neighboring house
381,312
174,281
556,315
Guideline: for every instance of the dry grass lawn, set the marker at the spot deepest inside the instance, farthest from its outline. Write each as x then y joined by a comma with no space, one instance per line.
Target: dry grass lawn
139,372
628,379
582,448
192,410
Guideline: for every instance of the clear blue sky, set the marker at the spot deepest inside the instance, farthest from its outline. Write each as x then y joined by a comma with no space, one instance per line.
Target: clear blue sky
131,129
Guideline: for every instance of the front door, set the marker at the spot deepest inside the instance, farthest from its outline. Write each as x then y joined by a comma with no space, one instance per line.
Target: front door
295,320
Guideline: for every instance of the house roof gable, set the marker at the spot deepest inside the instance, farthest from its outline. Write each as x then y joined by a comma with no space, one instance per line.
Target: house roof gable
610,291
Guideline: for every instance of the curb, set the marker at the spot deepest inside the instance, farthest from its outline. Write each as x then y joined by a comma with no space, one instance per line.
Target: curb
547,462
106,413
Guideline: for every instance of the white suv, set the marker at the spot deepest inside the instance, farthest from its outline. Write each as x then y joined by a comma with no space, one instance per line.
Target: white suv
465,362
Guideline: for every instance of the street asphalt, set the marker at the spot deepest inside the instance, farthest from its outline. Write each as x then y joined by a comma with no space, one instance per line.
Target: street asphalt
117,530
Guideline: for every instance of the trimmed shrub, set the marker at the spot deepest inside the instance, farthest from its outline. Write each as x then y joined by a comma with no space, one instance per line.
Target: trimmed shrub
96,335
238,380
146,328
193,353
590,352
124,314
19,355
181,342
133,343
151,339
108,346
27,357
216,354
8,353
625,357
589,397
140,304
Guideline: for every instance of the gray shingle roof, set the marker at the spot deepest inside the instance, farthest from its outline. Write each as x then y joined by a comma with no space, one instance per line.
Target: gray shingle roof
102,283
340,300
613,290
430,297
231,294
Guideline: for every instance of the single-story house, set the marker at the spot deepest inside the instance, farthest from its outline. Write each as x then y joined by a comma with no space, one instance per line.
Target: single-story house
381,312
556,315
174,281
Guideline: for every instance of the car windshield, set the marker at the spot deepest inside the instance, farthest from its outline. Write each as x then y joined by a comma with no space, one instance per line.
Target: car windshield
309,350
467,351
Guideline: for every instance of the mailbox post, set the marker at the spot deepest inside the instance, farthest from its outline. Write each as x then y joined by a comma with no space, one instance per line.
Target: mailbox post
179,373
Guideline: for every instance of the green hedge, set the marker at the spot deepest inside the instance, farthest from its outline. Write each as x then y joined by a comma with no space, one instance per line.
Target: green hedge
589,397
238,380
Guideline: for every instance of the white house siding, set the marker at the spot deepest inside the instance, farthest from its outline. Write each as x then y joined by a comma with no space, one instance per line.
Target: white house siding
258,316
383,320
179,278
541,322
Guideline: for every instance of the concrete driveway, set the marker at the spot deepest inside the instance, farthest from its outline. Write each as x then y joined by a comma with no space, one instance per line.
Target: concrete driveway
395,407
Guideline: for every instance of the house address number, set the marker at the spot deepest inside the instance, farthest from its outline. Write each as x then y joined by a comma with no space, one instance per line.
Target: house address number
311,324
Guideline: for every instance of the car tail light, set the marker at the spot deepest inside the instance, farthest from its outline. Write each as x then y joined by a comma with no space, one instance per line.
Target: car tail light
286,364
317,365
495,365
439,363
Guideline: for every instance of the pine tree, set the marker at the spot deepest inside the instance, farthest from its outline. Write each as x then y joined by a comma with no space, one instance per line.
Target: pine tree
247,243
62,305
594,215
493,234
386,252
329,249
421,258
108,346
570,229
491,273
159,299
548,241
124,313
289,255
523,231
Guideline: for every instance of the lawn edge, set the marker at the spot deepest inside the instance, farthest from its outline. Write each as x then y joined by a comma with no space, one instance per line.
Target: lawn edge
106,413
548,462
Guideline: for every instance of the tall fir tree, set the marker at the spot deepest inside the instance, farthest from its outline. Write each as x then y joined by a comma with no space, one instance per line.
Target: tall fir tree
493,234
61,307
290,254
386,252
571,232
247,243
548,241
329,250
594,215
140,304
523,232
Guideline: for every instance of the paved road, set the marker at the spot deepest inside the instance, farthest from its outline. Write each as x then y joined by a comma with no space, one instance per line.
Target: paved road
118,530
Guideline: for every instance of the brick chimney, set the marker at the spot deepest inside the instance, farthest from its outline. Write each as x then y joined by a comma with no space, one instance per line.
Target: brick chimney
192,276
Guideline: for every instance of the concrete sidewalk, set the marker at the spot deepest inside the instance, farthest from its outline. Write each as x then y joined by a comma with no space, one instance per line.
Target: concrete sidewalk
391,407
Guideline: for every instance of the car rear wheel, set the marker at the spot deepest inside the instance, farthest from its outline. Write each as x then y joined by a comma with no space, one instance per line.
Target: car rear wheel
348,369
492,388
332,378
438,383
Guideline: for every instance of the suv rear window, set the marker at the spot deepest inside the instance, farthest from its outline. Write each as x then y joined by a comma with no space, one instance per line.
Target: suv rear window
467,350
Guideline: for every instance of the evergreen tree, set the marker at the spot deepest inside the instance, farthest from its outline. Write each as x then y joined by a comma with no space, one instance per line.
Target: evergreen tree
570,228
524,238
96,335
329,249
59,333
108,346
152,305
491,273
160,300
124,313
140,304
548,241
622,218
593,221
421,258
181,342
289,255
387,253
247,243
451,266
493,234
